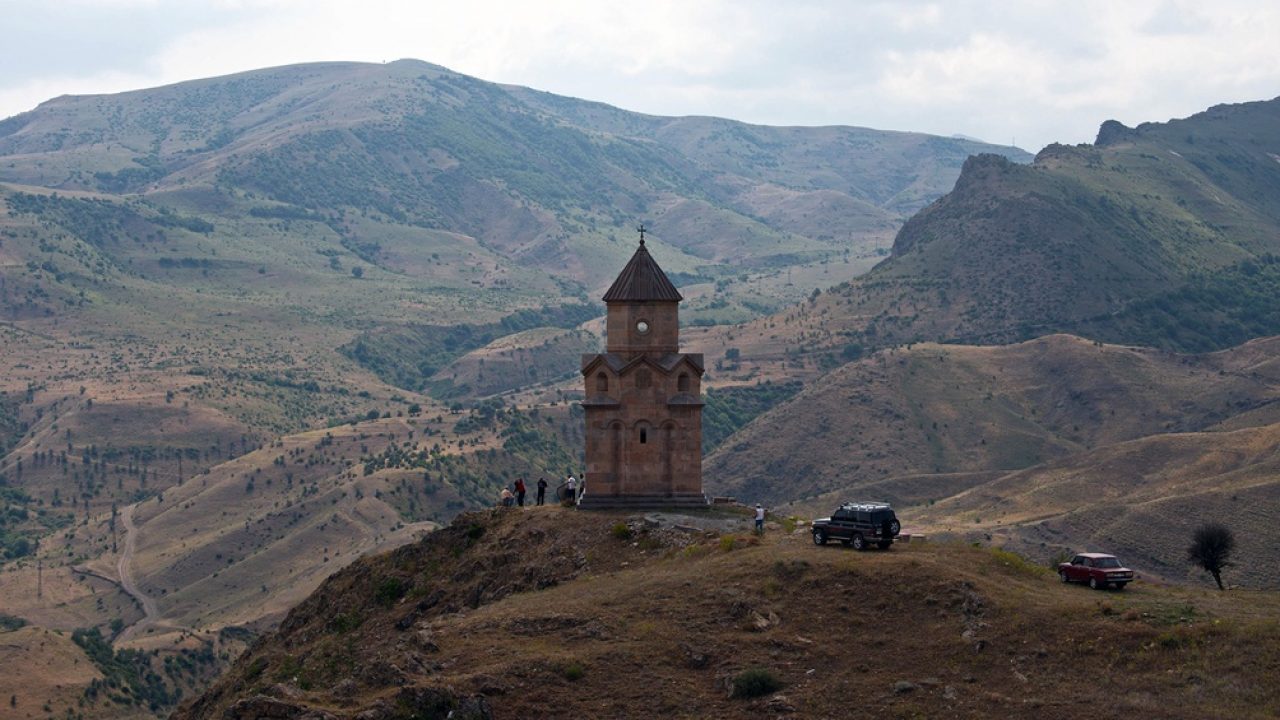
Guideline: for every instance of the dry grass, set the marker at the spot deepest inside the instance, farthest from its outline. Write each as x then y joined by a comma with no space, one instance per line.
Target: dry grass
41,668
636,633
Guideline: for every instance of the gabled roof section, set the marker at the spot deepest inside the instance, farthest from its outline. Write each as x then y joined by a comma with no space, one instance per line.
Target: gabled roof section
642,281
666,363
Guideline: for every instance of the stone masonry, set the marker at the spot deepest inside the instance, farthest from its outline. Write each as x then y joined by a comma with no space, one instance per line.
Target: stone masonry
643,399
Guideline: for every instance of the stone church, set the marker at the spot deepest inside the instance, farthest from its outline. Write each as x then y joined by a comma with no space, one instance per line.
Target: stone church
643,398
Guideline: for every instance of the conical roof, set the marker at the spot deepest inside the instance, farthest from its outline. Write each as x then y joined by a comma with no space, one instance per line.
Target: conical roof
642,281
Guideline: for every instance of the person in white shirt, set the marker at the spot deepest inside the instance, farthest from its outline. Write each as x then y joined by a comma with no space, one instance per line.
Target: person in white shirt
759,519
572,485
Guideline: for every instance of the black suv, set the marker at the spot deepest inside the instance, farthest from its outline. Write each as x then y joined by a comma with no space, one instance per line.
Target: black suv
858,524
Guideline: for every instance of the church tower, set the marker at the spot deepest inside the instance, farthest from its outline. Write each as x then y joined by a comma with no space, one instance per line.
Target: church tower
643,398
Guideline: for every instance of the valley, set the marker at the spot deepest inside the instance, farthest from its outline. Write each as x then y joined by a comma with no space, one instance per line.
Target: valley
260,328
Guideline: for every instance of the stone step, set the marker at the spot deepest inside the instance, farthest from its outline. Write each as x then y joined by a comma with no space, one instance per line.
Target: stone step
641,502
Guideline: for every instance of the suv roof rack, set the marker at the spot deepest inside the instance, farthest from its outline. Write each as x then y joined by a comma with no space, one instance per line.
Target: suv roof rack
866,505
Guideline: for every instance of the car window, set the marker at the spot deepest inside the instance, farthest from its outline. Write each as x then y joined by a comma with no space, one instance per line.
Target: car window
1077,560
1107,563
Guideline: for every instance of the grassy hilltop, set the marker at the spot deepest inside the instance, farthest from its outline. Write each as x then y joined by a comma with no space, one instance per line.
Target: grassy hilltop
550,613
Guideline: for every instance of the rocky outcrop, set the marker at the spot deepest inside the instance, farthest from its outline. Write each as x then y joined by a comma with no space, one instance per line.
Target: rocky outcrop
1114,132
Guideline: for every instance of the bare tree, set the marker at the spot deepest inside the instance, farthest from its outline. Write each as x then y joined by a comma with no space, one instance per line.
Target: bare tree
1211,548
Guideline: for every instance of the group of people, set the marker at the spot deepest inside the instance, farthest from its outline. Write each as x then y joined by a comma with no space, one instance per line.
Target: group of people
514,494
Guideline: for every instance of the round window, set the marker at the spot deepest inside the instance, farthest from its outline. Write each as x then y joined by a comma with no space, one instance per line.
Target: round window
642,327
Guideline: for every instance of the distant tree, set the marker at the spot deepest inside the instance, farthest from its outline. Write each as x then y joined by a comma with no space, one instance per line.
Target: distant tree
357,272
1211,548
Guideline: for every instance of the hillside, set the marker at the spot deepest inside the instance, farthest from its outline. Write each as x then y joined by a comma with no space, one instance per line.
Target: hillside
188,272
182,579
542,181
551,613
1140,499
260,326
1166,235
1047,446
947,410
1163,235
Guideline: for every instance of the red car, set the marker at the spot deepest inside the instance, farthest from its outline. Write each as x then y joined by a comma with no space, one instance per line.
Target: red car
1098,570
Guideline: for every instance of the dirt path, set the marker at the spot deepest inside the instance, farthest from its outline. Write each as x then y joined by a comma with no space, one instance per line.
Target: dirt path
150,613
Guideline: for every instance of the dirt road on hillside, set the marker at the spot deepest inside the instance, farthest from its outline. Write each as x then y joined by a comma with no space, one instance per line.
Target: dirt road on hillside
124,568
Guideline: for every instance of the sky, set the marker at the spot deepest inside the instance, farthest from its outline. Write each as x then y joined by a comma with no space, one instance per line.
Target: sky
1026,73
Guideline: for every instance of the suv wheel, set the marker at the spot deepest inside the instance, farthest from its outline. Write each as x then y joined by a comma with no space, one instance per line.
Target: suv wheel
859,542
820,537
1093,583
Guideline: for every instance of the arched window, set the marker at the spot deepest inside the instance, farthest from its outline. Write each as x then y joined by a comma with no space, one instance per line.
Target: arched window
644,436
682,383
602,382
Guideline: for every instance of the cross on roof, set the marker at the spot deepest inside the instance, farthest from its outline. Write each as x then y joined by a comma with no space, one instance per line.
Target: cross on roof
641,233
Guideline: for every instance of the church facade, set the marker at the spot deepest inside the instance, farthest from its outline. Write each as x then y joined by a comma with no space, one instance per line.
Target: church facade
643,400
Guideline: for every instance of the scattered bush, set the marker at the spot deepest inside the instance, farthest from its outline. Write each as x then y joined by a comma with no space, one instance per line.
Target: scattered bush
755,682
255,668
1017,564
389,591
10,622
344,623
621,531
573,671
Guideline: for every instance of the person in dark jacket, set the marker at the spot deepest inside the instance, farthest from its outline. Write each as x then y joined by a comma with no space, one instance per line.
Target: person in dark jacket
520,491
542,490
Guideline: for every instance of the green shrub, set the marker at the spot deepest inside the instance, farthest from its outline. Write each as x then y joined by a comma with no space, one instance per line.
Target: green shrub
255,668
621,531
755,682
343,623
573,671
389,591
10,622
695,551
1017,564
